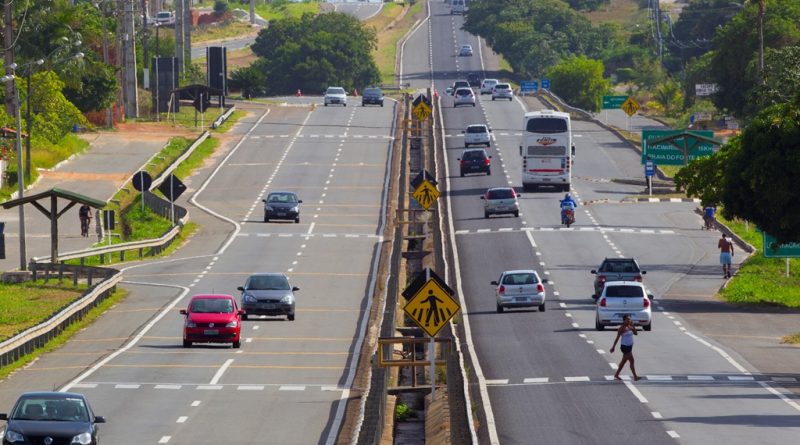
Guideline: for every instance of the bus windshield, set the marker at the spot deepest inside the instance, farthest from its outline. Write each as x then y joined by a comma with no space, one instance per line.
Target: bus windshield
547,125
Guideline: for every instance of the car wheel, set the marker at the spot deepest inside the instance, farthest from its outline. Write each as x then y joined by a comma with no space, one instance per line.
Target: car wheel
499,309
493,98
541,307
266,218
326,104
237,344
462,174
489,172
297,220
599,326
516,214
290,317
344,105
649,327
473,105
187,344
244,317
485,214
381,104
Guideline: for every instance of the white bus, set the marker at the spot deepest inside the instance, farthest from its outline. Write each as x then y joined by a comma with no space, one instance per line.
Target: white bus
546,150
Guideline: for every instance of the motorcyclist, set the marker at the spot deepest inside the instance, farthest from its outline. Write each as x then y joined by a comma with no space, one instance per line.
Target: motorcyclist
567,204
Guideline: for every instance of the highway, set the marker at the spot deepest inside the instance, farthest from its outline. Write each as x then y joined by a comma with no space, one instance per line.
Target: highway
290,380
548,374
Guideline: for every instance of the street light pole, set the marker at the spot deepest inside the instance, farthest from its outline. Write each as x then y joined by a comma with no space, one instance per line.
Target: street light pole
20,175
28,121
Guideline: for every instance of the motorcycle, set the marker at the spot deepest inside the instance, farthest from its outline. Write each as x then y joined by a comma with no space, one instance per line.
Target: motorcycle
568,217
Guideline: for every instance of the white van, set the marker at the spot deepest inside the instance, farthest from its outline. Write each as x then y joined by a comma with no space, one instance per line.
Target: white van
458,7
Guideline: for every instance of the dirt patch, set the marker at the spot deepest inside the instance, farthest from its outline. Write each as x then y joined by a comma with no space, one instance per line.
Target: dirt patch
146,131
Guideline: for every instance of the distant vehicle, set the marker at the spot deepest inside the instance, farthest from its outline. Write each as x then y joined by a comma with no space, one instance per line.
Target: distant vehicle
465,51
545,149
616,269
519,288
502,91
51,418
372,96
487,85
282,205
620,298
477,134
165,18
464,96
458,6
474,79
451,90
335,95
212,318
475,160
500,201
268,294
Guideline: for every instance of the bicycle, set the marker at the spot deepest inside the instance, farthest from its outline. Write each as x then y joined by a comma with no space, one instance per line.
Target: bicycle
85,222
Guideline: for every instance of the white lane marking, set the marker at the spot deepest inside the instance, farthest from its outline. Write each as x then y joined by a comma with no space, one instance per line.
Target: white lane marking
182,419
221,371
575,325
497,381
536,380
168,386
126,386
673,434
311,228
209,387
699,378
250,387
724,354
292,388
784,379
568,314
780,395
196,403
85,385
656,415
577,379
331,388
741,378
662,378
164,439
600,351
634,390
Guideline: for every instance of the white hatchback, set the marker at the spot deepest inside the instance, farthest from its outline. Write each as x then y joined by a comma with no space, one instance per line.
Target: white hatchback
477,134
487,85
620,298
335,95
519,288
502,91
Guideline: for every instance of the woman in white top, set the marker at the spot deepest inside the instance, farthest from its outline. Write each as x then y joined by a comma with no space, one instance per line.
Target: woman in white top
626,332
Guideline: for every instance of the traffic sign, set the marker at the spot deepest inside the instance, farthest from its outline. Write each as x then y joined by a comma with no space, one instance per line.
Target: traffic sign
426,194
613,102
431,307
421,279
630,106
545,84
142,180
423,176
422,111
172,188
786,250
649,168
668,154
528,86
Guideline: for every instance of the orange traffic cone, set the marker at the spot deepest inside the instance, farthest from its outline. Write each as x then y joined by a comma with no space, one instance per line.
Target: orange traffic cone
298,93
355,92
435,94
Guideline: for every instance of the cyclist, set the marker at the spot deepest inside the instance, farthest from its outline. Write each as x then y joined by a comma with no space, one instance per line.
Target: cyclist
85,215
709,216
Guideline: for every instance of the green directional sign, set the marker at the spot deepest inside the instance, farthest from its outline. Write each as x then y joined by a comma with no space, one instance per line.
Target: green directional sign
613,102
669,153
787,250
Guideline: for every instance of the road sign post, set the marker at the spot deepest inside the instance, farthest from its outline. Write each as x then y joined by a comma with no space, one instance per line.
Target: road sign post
649,170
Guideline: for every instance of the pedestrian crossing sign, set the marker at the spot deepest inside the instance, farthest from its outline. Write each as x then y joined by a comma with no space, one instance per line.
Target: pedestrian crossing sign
431,307
422,111
630,106
426,194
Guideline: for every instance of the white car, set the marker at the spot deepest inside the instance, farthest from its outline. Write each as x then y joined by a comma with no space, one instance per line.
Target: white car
620,298
335,95
519,288
463,96
477,134
465,51
502,91
487,85
500,201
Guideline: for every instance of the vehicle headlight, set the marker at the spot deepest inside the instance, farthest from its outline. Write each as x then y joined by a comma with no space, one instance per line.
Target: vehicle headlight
190,324
13,436
232,324
268,208
295,209
82,439
249,298
289,299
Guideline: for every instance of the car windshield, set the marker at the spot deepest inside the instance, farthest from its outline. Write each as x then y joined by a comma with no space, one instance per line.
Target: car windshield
520,278
476,129
501,194
619,267
212,306
268,282
282,197
57,409
335,91
624,291
164,15
501,86
372,92
461,84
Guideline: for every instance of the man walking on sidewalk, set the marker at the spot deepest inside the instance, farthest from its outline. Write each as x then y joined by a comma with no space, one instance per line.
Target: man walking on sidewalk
725,245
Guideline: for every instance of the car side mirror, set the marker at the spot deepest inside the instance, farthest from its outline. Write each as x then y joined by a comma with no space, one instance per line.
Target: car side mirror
644,272
299,201
520,150
241,312
3,416
263,200
593,271
295,289
651,296
493,283
458,159
99,419
183,312
544,280
490,157
240,288
490,131
463,132
482,197
449,91
519,195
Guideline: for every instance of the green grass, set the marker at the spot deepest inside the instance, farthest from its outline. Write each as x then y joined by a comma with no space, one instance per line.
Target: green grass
272,12
235,28
25,288
762,280
386,53
27,304
197,158
230,122
792,339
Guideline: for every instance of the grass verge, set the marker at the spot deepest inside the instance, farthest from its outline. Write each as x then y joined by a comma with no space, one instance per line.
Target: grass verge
62,338
211,32
386,53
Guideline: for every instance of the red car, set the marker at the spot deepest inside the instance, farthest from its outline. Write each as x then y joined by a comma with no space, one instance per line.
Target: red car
212,319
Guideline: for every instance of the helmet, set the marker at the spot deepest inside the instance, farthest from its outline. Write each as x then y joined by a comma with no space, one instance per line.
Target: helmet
566,196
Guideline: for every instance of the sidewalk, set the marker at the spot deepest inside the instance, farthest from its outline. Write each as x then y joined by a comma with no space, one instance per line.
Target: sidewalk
111,160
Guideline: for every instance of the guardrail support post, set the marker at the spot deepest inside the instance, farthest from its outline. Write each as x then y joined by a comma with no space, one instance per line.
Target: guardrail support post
60,272
34,269
89,276
76,270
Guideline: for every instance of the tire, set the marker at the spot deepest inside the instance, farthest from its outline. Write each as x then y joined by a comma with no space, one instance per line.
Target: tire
381,104
297,220
598,325
489,172
237,344
568,223
462,174
266,219
244,317
187,344
493,98
499,309
649,327
290,317
542,308
485,214
473,105
326,104
516,215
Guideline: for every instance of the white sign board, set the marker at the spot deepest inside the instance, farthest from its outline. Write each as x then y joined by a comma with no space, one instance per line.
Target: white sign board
705,89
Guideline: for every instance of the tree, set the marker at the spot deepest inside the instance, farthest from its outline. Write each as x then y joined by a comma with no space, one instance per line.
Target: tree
704,177
762,6
96,90
55,115
250,80
760,180
668,94
780,78
579,81
694,30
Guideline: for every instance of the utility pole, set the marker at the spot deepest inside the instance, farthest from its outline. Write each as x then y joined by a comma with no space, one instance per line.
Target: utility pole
179,19
657,6
187,33
145,34
8,54
252,12
130,90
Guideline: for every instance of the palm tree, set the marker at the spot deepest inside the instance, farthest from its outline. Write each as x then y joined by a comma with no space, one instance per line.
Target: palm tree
762,9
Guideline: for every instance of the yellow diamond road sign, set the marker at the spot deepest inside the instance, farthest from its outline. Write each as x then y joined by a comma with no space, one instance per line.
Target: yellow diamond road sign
426,194
422,111
630,106
431,307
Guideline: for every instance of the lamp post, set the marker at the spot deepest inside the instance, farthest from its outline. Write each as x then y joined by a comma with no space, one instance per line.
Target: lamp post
20,181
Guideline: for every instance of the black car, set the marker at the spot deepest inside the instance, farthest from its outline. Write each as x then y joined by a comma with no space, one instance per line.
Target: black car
475,160
474,80
616,269
372,96
282,205
51,418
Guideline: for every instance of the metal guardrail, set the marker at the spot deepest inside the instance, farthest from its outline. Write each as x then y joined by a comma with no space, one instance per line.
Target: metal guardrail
37,336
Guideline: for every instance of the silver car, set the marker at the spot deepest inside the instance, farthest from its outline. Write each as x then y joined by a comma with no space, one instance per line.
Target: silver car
463,96
502,91
268,294
499,201
519,288
487,85
335,95
620,298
